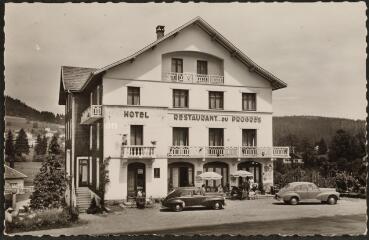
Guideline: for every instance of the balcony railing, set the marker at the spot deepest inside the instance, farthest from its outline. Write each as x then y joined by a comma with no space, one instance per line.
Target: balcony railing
138,151
193,78
227,152
91,114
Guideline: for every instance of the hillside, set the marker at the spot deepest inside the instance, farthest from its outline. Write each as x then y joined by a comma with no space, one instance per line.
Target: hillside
313,128
17,108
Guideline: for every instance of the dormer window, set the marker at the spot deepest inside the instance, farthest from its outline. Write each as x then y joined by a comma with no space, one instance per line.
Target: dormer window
202,67
177,65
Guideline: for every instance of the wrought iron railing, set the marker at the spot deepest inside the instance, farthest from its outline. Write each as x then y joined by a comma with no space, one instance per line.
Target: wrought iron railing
193,78
227,152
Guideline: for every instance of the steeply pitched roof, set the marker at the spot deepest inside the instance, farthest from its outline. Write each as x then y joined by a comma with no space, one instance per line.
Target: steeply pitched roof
276,82
11,173
76,78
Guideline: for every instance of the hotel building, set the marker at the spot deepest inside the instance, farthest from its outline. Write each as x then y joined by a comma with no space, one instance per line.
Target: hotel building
188,103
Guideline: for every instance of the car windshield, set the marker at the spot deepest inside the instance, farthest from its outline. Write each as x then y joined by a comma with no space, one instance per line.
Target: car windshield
288,186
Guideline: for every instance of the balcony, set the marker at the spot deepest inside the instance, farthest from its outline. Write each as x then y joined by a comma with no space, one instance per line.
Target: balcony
91,114
193,78
138,151
227,152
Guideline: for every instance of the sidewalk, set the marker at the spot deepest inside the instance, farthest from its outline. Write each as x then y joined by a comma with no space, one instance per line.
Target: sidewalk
154,219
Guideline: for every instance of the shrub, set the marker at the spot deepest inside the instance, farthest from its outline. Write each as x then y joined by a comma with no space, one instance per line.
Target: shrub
45,219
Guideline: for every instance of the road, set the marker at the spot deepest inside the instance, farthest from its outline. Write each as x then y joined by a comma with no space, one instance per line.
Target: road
327,226
263,215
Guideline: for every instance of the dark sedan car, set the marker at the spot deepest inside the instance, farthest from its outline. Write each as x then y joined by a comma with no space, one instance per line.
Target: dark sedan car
191,196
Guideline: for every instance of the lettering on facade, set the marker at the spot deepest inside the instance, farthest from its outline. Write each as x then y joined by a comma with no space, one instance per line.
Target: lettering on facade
215,118
135,114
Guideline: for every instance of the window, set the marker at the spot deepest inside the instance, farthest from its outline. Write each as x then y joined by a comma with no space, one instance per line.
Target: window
97,173
133,96
156,172
90,137
248,101
91,98
136,134
216,136
202,67
180,98
97,135
177,65
98,95
180,136
216,100
249,137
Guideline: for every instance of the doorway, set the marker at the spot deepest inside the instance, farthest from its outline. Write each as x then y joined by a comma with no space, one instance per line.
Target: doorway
83,172
136,179
181,174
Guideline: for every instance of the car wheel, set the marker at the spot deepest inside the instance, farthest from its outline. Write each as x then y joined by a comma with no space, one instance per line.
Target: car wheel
217,205
178,207
294,201
332,200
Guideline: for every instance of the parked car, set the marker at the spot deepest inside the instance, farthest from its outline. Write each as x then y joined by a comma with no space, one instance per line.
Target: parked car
296,192
180,198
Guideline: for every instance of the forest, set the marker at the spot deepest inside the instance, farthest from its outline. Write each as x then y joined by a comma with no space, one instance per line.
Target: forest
17,108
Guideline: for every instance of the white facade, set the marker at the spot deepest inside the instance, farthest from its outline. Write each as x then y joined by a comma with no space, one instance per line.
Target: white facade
154,144
157,115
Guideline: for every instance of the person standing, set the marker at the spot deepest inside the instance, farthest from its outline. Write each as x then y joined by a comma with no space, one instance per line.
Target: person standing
247,187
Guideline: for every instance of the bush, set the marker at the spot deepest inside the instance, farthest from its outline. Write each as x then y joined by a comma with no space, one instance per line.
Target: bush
46,219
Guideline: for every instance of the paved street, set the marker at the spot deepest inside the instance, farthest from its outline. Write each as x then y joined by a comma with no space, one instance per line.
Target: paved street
265,216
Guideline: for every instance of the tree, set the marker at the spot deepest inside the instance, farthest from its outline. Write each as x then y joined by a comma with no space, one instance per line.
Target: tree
38,146
322,147
345,149
44,145
21,143
308,153
54,147
9,148
50,182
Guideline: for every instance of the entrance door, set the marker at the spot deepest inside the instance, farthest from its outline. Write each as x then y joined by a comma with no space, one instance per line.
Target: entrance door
183,177
136,179
180,175
83,172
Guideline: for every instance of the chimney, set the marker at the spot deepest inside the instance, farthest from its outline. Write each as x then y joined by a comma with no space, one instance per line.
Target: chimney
159,31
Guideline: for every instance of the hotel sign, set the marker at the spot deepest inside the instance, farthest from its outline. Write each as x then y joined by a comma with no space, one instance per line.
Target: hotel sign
215,118
135,114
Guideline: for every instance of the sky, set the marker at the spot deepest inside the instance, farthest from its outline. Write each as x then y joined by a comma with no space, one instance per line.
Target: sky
318,49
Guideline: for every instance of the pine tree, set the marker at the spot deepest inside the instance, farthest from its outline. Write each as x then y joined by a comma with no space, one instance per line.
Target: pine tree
44,145
54,147
21,143
38,146
322,146
9,148
50,182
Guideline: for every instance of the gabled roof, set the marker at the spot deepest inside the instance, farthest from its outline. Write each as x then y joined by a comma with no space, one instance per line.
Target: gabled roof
11,173
215,35
76,79
73,79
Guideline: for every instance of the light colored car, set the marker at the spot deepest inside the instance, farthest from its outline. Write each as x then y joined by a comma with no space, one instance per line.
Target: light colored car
296,192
